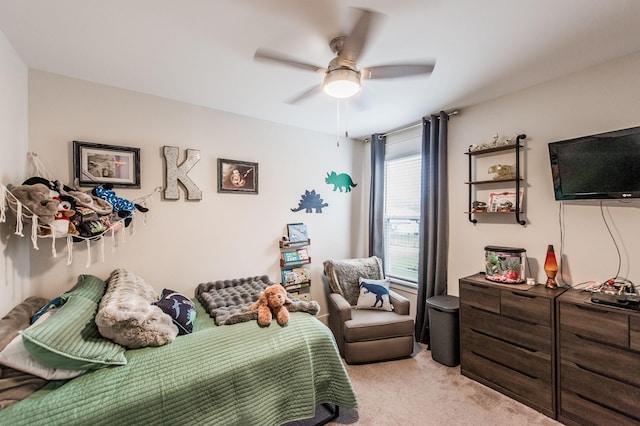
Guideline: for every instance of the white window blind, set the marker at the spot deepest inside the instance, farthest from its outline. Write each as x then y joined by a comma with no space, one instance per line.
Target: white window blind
402,205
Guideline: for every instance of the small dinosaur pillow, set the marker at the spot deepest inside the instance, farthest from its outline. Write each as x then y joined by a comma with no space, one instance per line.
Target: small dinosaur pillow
181,310
374,294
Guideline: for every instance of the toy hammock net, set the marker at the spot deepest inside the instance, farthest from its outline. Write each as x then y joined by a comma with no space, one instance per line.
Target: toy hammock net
59,211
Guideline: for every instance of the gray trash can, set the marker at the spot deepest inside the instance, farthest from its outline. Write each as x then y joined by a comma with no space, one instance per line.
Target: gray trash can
444,329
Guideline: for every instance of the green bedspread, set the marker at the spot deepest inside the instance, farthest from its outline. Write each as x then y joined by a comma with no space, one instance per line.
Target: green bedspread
218,375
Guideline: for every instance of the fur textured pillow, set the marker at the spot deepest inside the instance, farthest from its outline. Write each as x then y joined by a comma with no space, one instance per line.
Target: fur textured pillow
344,275
127,315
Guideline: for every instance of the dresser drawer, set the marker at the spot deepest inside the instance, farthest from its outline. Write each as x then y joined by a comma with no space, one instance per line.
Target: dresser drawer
481,296
575,409
597,323
534,392
604,394
534,364
526,307
634,333
534,337
610,361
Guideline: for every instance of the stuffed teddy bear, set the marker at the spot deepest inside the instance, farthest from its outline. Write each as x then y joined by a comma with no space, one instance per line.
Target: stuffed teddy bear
37,198
271,301
122,207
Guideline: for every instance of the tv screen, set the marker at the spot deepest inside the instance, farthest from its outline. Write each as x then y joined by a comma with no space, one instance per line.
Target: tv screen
602,166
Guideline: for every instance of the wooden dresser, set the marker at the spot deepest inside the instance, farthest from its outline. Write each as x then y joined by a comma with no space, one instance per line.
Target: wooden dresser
507,337
599,362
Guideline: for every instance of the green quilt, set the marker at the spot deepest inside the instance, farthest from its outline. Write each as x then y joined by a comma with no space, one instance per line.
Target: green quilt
218,375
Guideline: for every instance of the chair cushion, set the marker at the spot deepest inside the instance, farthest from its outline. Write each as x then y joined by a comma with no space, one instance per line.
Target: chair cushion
373,325
374,294
344,275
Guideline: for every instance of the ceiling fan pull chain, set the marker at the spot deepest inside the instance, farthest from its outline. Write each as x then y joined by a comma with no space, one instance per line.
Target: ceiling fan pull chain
337,122
346,118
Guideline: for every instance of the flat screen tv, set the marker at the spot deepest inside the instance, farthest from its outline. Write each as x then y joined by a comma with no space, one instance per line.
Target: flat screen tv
596,167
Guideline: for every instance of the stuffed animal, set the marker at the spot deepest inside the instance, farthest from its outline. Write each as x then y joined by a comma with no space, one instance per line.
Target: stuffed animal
271,302
122,207
52,185
82,199
38,199
62,225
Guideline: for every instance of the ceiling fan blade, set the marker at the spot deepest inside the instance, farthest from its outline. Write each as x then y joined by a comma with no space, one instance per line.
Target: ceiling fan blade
394,71
266,55
305,95
355,43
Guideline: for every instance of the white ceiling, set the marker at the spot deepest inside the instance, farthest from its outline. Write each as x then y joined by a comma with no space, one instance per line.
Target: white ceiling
201,51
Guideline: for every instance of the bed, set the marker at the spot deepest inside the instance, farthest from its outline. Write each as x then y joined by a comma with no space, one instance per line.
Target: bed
240,374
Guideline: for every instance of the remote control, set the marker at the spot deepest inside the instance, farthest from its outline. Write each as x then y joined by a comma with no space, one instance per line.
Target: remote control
633,298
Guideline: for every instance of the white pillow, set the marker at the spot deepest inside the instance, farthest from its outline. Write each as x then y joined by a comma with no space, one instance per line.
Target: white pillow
16,356
374,294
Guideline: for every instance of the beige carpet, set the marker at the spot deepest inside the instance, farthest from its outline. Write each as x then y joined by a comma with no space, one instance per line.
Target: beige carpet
419,391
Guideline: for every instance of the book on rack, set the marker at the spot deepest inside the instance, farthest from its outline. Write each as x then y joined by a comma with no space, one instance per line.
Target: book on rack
296,287
295,276
297,232
299,255
302,294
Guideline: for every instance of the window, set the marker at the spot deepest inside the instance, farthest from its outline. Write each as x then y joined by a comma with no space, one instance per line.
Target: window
401,216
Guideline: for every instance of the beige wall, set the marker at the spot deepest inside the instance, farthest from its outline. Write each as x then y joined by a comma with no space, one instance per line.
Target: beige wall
603,98
228,235
14,267
185,243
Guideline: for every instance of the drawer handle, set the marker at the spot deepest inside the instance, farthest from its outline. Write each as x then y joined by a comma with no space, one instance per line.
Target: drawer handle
504,340
505,366
528,296
599,373
524,321
591,339
478,285
592,309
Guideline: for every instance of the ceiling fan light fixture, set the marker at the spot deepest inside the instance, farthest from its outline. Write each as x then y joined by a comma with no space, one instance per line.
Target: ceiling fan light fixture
341,83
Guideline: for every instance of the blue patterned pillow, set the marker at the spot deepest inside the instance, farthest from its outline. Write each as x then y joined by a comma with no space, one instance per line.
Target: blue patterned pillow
374,294
180,308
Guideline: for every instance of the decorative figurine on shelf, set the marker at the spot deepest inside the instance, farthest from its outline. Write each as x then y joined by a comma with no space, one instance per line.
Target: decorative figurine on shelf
502,171
551,267
479,206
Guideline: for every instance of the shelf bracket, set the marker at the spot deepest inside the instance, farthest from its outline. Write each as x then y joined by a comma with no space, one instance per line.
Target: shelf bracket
471,218
518,139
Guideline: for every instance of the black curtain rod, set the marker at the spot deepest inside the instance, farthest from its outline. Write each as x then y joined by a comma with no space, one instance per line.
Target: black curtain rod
411,126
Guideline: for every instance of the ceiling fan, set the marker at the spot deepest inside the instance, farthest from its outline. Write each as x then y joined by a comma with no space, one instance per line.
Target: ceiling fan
342,78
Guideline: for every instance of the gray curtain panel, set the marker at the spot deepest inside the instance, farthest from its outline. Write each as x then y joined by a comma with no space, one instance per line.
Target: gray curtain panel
376,199
432,273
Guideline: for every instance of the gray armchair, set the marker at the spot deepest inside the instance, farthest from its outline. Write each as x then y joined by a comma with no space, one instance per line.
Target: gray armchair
365,335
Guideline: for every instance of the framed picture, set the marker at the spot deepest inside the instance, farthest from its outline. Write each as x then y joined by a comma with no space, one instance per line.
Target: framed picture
297,232
504,202
97,164
237,176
